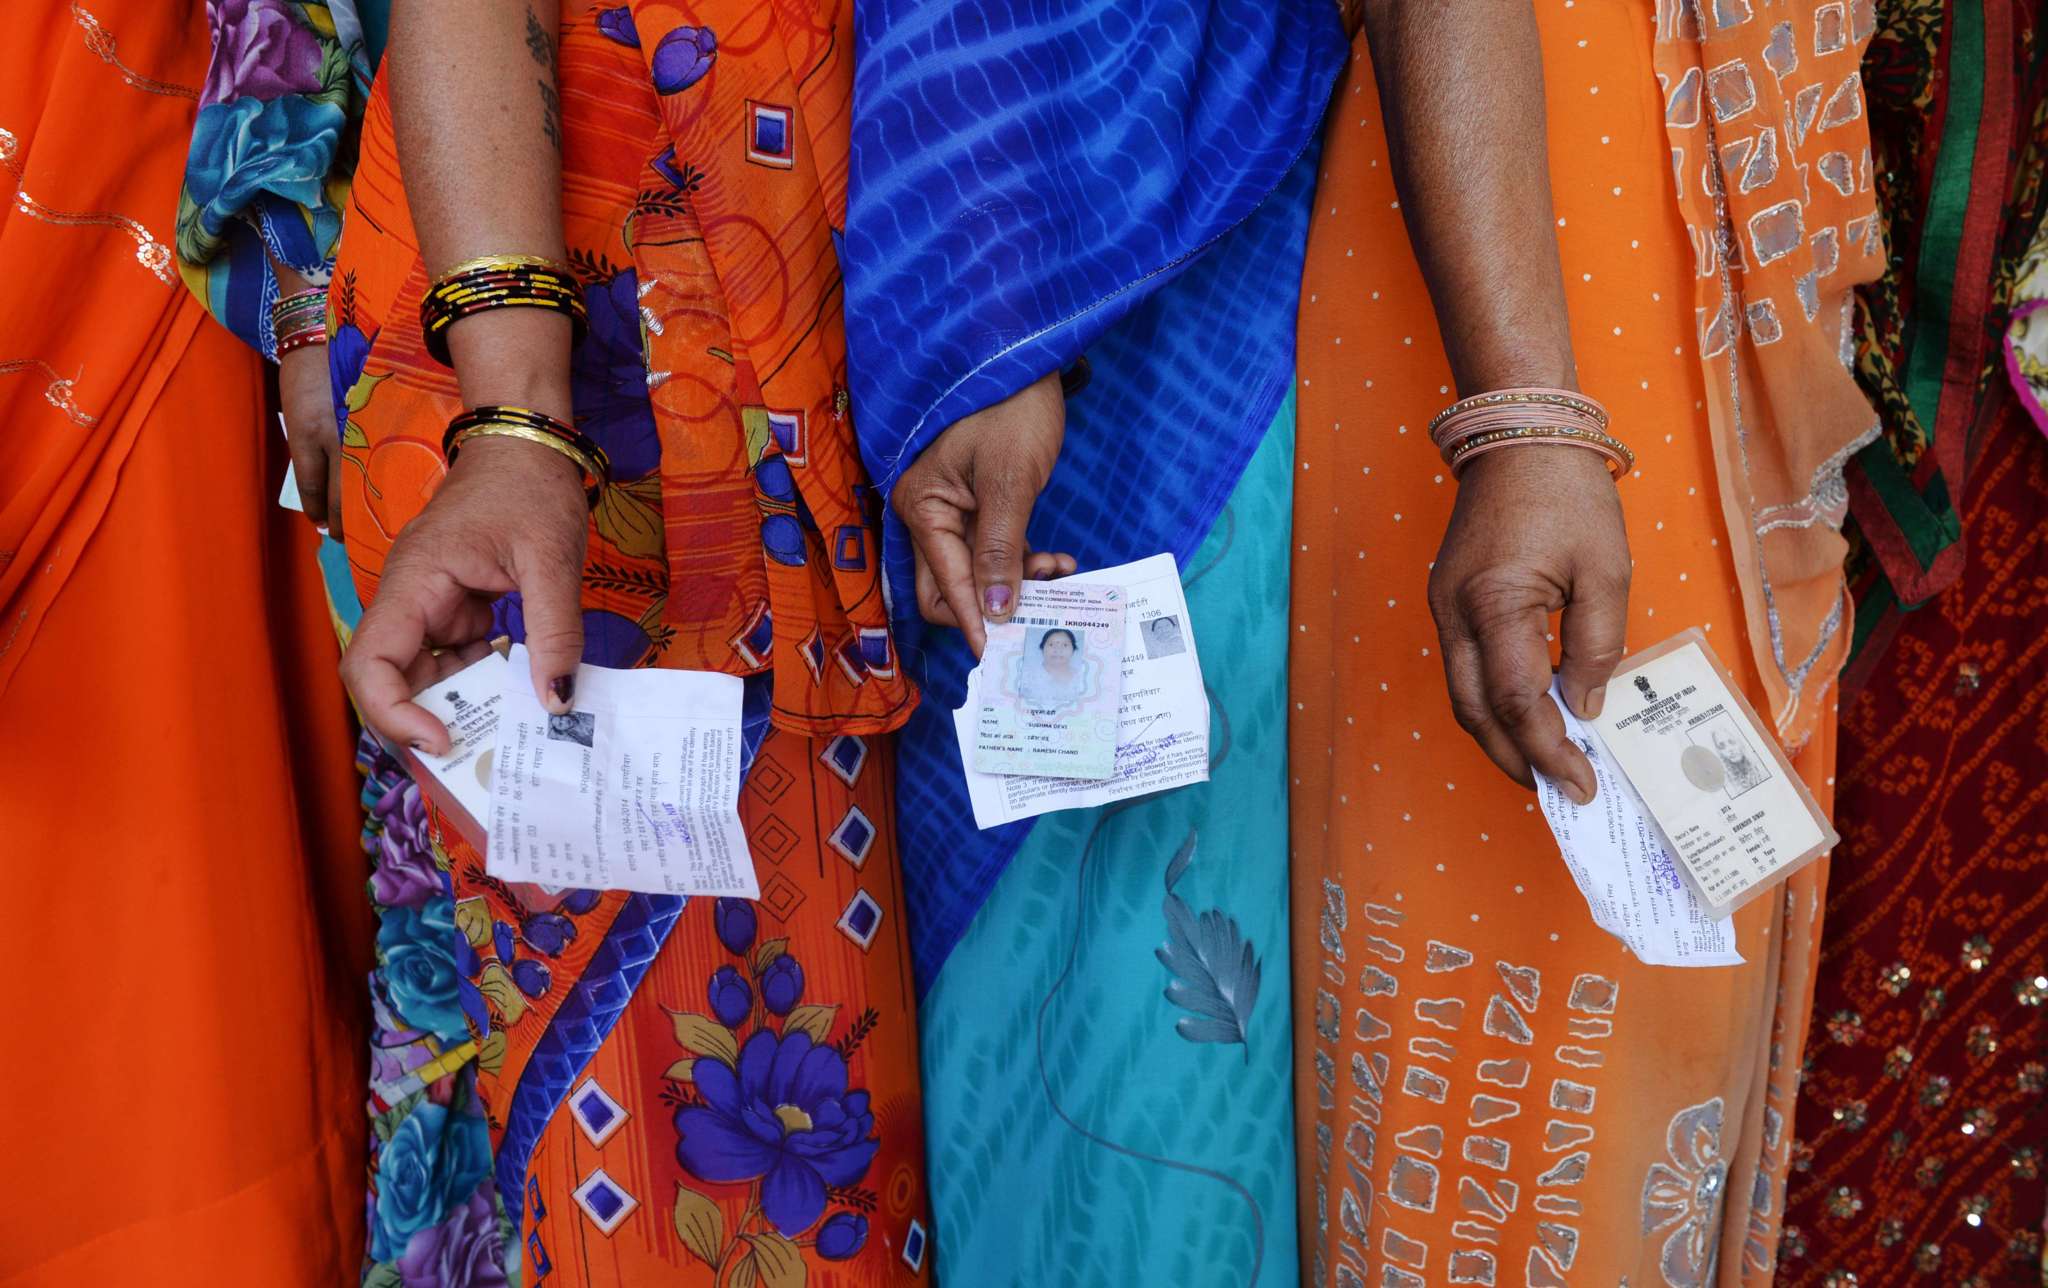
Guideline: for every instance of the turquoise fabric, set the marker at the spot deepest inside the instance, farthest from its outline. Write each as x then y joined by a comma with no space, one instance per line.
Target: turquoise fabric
1075,1136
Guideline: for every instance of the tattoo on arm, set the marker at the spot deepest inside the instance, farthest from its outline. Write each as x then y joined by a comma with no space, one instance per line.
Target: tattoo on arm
542,47
538,42
550,114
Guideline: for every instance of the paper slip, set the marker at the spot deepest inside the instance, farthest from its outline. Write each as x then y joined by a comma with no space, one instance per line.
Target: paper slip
636,789
1729,804
1051,683
1625,871
1162,738
288,496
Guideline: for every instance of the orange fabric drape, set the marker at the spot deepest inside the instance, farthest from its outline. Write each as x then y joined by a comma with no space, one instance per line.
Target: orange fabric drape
1489,1088
181,1095
738,534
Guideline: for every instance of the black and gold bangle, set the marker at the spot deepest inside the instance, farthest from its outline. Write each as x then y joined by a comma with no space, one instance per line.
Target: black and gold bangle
533,427
498,281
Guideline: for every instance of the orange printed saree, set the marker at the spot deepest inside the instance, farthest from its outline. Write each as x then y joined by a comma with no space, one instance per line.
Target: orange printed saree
701,1091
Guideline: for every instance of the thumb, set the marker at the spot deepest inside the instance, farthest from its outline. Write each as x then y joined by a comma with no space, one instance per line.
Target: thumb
552,597
1002,510
1594,626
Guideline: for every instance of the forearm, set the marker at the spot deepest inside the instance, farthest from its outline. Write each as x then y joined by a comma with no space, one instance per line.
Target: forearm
479,140
1461,86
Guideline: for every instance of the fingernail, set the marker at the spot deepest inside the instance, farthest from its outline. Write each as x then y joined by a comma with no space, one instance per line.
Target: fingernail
997,600
1594,701
417,745
1584,794
564,689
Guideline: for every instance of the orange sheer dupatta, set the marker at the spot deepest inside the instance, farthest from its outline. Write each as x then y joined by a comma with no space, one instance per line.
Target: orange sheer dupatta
1770,151
96,318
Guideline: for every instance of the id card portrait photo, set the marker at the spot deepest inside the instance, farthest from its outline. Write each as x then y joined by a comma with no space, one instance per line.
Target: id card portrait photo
1052,684
1710,773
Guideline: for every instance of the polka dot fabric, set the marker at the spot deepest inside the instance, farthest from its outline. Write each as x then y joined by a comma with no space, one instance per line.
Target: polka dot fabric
1489,1090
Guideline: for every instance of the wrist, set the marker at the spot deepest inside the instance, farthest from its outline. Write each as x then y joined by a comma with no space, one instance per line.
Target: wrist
1548,368
514,358
532,460
1536,465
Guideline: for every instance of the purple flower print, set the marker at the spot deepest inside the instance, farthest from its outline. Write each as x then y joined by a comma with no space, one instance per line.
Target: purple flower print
548,932
531,976
734,920
609,639
259,51
783,1115
731,997
463,1251
608,380
618,25
578,902
840,1237
682,58
348,351
405,875
503,942
782,984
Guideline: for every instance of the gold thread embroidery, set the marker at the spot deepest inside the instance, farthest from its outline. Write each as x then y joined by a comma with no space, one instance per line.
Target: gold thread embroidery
59,392
19,622
101,42
149,252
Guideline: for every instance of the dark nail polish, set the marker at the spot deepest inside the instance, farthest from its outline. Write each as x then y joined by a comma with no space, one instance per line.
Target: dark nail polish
564,689
997,600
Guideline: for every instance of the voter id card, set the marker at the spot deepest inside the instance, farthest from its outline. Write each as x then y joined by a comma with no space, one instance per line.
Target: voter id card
1712,776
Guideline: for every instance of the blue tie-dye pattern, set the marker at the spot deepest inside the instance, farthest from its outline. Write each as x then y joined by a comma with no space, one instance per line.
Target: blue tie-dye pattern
1029,183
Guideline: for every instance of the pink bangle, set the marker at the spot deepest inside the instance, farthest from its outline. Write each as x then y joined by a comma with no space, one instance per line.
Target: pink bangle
1530,396
1506,417
1508,408
302,339
1619,459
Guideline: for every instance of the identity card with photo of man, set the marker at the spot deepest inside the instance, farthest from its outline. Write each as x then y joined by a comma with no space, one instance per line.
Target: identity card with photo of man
1736,815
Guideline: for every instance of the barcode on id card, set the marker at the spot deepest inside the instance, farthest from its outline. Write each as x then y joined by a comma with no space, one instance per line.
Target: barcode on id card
1036,621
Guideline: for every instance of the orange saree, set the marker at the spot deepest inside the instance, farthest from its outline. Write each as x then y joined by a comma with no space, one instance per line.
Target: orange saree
180,1101
1490,1089
712,1092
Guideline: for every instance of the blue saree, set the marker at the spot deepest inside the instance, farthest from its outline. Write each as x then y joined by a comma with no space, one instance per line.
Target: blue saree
1131,183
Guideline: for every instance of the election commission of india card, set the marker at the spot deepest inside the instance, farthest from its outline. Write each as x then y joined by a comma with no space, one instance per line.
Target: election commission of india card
1162,738
1713,777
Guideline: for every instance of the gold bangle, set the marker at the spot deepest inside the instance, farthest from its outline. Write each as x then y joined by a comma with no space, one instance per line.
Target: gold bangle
485,262
593,480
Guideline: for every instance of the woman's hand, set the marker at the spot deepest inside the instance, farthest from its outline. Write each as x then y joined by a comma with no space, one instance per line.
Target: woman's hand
966,501
510,516
306,393
1535,530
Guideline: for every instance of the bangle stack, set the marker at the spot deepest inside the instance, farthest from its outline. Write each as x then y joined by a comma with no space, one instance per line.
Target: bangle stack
1510,417
533,427
498,281
299,319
